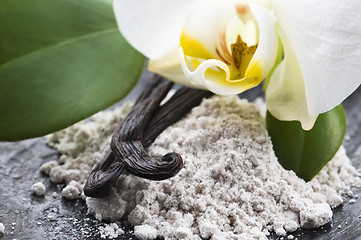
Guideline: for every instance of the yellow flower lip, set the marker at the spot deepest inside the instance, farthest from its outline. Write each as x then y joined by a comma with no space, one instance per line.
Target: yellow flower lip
192,47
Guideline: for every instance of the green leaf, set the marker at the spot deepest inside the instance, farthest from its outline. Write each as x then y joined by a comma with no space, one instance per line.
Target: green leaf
60,62
306,152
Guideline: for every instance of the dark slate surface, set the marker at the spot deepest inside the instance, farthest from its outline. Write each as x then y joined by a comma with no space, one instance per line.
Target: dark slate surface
50,217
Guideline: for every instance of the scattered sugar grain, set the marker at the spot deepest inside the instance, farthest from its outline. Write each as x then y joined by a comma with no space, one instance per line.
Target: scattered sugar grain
70,192
56,174
46,167
145,232
2,228
73,190
38,189
110,231
231,186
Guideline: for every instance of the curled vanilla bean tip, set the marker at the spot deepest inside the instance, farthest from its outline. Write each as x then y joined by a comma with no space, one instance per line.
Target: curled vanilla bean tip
174,162
150,168
103,177
139,163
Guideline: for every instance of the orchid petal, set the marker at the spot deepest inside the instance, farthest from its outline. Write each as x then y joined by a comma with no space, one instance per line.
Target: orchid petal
198,77
326,39
285,93
266,54
203,34
153,27
170,67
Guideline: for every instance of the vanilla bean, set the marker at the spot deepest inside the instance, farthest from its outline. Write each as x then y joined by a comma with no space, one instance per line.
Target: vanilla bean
126,141
105,174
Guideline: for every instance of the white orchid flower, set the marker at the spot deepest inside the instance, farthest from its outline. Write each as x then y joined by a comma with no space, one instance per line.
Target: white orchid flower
229,46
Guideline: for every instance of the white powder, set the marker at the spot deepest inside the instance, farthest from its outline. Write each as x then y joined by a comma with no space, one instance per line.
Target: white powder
38,189
232,185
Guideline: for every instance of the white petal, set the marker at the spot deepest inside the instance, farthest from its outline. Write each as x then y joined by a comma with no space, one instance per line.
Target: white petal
248,31
204,28
153,27
326,39
285,93
170,67
266,53
263,3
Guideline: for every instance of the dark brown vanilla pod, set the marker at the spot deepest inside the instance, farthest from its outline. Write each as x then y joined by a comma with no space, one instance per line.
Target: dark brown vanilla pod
99,183
126,142
104,175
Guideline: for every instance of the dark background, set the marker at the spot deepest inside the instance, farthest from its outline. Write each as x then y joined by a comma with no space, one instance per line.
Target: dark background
51,217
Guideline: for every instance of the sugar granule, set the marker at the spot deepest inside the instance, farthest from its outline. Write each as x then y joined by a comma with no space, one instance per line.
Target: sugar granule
145,232
231,186
38,189
111,231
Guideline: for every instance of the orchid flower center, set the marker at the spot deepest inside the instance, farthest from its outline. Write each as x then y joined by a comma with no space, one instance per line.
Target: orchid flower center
235,45
241,56
228,49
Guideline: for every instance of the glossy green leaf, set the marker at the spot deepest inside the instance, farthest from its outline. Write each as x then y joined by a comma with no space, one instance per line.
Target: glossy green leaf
60,61
306,152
